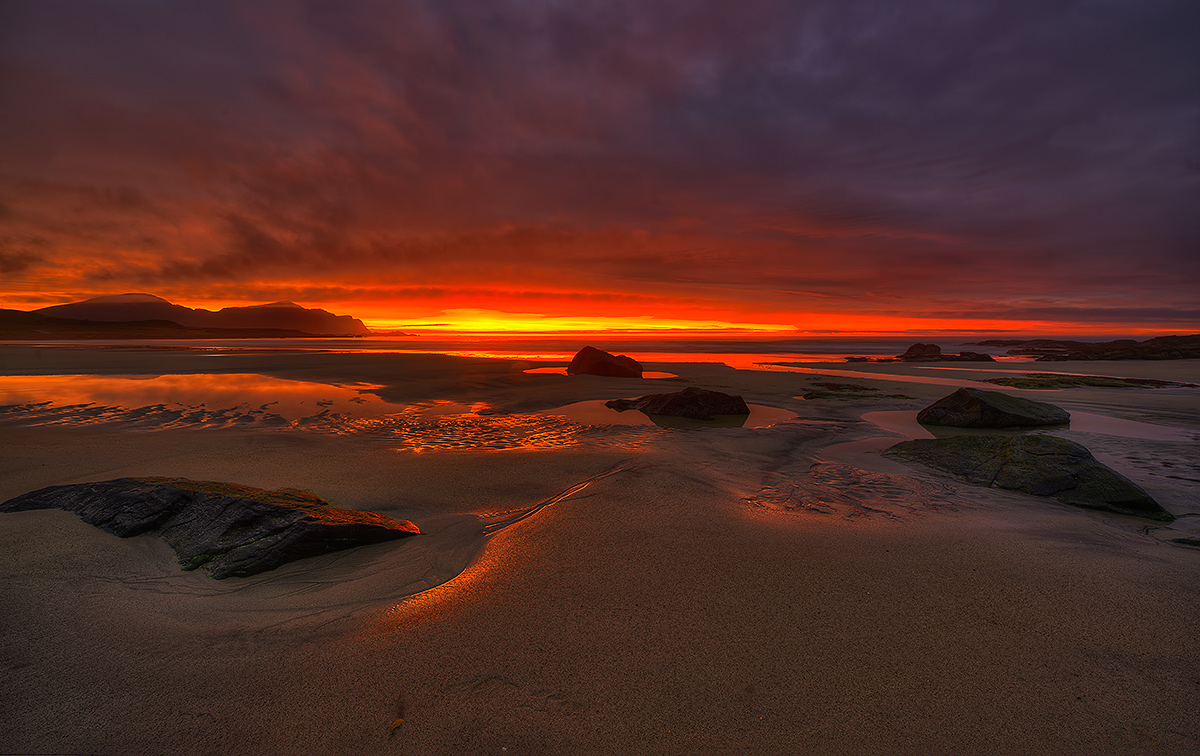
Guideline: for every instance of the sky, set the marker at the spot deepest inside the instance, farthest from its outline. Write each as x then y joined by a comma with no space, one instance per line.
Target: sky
824,166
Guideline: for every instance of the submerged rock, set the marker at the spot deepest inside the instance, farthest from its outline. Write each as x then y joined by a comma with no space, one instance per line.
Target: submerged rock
696,403
979,408
229,529
593,361
1038,465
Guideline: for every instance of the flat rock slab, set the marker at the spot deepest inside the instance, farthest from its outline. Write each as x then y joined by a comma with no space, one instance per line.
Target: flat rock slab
692,402
1038,465
1050,381
228,529
979,408
593,361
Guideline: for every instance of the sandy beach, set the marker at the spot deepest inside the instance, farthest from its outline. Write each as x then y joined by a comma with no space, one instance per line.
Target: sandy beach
589,588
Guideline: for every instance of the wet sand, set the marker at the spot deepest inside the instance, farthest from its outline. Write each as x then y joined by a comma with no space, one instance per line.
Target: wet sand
728,590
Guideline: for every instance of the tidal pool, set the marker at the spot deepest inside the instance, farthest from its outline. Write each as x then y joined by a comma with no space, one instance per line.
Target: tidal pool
199,395
253,402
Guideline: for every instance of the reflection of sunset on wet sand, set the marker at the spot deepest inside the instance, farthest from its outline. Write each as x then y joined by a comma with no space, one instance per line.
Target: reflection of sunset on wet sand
288,399
564,552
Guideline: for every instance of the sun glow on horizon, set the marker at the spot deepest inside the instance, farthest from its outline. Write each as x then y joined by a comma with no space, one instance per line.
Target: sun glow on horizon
476,320
488,323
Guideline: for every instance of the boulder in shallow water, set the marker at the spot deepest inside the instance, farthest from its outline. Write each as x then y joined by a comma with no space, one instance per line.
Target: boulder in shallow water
593,361
922,352
229,529
1038,465
692,402
979,408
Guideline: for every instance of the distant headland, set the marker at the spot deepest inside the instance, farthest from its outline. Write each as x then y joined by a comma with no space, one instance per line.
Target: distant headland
146,316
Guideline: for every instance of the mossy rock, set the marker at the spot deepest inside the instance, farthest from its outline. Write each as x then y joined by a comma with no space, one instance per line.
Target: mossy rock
1033,464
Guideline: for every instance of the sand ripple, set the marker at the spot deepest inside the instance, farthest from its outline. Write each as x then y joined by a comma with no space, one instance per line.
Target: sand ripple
838,490
417,428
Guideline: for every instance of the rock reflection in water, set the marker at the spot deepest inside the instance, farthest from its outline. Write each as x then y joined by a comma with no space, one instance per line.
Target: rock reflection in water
596,413
905,423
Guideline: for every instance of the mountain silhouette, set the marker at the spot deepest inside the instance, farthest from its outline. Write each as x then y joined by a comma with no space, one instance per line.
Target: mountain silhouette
125,308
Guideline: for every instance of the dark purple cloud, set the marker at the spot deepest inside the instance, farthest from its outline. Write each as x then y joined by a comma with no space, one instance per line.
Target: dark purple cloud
993,156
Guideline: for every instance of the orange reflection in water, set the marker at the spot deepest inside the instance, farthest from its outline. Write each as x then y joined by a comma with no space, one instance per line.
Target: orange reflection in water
257,402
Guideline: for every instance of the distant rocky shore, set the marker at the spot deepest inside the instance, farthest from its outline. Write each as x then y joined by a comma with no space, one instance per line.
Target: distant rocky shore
1051,350
145,316
927,353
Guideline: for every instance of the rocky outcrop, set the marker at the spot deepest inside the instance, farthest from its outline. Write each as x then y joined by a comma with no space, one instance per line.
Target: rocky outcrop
228,529
593,361
968,357
692,402
1051,381
933,353
927,353
978,408
1157,348
1033,464
922,352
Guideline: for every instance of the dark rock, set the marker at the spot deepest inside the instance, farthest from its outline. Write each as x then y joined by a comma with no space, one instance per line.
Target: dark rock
696,403
593,361
933,353
968,357
977,408
1033,464
922,352
1047,381
228,529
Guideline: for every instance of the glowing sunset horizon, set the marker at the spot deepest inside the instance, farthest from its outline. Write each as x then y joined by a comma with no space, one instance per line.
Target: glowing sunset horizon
779,168
385,319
